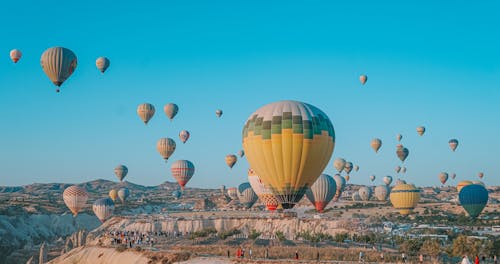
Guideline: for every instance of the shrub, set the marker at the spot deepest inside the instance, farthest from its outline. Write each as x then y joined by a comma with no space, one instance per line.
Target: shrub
121,248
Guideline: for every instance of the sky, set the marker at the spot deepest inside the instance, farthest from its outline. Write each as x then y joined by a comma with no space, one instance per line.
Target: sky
428,63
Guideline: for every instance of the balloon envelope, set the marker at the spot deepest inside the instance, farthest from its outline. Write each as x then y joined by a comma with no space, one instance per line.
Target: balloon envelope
397,169
182,171
339,164
102,63
322,192
265,194
103,208
58,63
363,78
462,184
166,147
340,183
113,194
376,144
382,192
480,175
473,199
348,167
387,180
365,193
218,113
15,55
241,153
443,177
453,144
399,137
421,130
145,112
404,197
121,171
75,198
123,193
231,160
171,110
372,177
288,144
402,153
246,195
184,135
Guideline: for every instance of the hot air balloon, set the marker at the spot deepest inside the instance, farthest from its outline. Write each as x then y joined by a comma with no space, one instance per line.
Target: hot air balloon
113,194
421,130
372,177
176,194
58,63
387,180
363,78
479,182
404,197
347,177
231,160
182,171
402,153
102,63
171,110
340,183
339,164
453,144
382,192
480,175
403,170
453,176
232,192
288,144
218,113
121,171
103,208
376,144
265,194
75,198
397,169
473,199
15,55
184,135
400,181
365,193
146,112
322,192
356,197
348,167
123,193
399,137
166,147
462,184
443,177
356,168
246,195
241,153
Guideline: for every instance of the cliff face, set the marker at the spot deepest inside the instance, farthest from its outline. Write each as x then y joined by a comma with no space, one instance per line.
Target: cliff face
267,226
22,233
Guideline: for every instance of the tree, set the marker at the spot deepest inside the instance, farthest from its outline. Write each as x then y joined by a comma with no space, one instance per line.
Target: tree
431,247
461,246
411,247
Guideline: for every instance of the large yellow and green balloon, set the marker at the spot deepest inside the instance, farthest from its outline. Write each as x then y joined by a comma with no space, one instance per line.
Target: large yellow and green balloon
288,144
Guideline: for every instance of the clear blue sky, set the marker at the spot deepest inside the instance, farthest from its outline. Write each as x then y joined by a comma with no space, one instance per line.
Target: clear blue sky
432,64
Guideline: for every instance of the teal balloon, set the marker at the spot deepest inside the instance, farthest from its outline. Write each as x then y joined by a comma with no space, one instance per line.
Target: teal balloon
473,199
